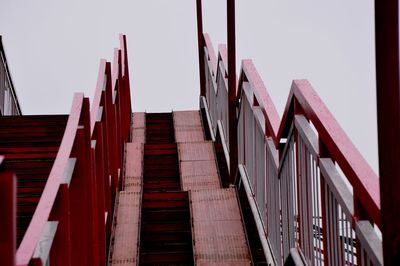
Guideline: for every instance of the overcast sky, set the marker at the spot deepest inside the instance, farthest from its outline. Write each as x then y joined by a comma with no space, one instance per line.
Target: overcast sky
53,49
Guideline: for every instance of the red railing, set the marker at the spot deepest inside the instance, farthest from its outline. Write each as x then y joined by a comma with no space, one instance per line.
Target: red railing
8,207
313,189
72,222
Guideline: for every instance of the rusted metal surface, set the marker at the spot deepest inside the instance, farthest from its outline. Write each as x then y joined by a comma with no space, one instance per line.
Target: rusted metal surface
126,240
197,175
133,167
219,237
196,151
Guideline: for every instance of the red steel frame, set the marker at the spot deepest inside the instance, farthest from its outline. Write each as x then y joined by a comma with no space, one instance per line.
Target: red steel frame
388,107
232,89
8,206
78,193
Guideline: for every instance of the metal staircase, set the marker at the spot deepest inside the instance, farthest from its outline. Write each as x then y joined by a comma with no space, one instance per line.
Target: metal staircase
165,226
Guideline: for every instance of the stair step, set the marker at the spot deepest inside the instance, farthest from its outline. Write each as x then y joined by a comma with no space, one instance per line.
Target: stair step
177,258
165,204
166,196
166,215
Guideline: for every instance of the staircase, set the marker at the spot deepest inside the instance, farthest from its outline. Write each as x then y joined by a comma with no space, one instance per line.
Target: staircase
30,145
165,236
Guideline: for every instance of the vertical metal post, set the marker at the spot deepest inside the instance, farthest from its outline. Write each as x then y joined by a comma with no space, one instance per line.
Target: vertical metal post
61,248
200,40
8,236
232,88
388,108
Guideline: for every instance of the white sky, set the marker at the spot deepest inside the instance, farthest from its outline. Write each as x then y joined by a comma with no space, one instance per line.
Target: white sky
53,49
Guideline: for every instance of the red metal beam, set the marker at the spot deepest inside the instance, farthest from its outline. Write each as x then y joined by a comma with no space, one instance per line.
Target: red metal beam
388,108
232,88
8,203
200,40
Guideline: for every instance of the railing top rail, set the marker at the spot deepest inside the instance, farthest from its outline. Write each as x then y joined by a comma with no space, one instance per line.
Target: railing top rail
223,55
306,101
46,202
124,55
249,72
211,52
360,174
215,61
363,179
116,69
98,94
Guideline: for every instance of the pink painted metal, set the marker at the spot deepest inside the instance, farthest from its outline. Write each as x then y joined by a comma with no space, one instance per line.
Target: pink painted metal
196,151
189,134
78,193
138,120
39,219
126,239
197,175
211,53
186,118
365,182
133,167
219,237
264,100
187,126
138,129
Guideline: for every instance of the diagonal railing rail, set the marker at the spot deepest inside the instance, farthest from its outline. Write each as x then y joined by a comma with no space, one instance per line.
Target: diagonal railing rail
72,221
314,190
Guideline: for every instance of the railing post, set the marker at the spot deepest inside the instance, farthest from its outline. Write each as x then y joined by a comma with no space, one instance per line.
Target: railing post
61,248
98,167
323,152
388,107
200,41
233,154
112,133
8,213
84,241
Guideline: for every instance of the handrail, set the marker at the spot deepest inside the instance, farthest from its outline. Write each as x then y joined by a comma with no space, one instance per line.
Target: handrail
341,148
100,87
46,202
360,174
303,108
250,74
211,53
84,178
